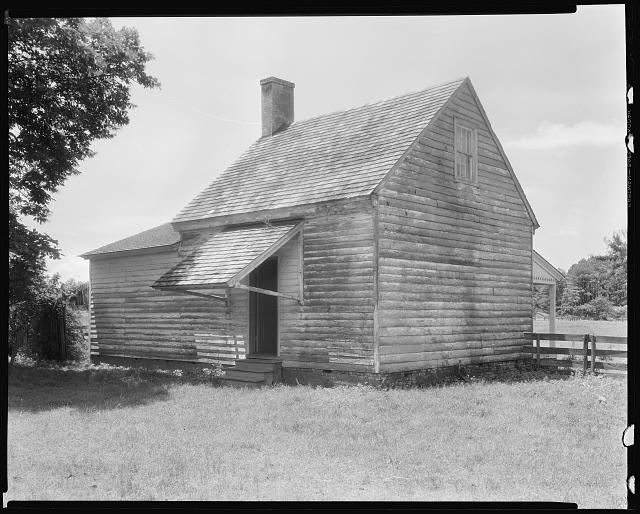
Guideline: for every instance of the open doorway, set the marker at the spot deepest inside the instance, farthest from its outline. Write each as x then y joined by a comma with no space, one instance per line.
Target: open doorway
263,309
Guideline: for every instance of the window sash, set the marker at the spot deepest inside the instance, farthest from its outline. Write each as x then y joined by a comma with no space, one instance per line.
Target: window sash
464,166
465,153
464,140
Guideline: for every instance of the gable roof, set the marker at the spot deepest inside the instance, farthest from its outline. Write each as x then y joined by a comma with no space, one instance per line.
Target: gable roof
527,205
544,271
162,235
335,156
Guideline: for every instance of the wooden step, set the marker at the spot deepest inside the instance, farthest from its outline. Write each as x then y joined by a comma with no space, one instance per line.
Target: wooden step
255,366
256,357
242,383
254,371
238,374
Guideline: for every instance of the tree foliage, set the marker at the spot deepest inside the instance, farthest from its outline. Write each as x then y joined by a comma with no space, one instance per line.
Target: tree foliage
617,278
69,83
596,287
590,277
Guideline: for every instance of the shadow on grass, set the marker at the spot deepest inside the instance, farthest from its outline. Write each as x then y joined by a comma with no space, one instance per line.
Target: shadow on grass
37,388
41,388
523,373
518,373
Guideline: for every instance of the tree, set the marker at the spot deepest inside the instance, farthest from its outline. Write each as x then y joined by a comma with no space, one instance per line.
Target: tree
596,287
69,83
617,276
560,287
589,276
541,298
570,298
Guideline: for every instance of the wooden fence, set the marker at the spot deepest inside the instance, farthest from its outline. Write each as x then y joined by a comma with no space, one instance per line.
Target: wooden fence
82,329
606,354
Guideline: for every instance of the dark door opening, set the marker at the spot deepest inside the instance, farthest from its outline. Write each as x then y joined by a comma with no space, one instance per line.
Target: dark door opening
263,309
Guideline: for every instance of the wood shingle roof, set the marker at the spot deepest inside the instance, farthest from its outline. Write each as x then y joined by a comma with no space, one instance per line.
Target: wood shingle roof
162,235
335,156
222,256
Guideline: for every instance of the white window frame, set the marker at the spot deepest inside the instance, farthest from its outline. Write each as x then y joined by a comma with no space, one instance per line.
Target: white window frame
474,152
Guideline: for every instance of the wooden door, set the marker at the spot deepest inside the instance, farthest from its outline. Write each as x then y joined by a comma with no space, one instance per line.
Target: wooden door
263,309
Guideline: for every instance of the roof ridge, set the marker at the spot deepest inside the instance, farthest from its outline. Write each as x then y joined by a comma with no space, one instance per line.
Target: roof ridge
370,104
340,141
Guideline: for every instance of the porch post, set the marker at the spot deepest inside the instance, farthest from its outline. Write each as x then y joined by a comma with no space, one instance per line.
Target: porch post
552,308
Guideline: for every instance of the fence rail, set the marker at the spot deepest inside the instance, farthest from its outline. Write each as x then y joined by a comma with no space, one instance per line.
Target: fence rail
606,354
544,316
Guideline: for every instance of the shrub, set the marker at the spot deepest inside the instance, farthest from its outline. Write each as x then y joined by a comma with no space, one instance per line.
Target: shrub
600,308
619,312
43,324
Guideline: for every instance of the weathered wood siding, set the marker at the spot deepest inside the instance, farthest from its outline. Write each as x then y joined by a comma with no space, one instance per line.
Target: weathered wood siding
334,328
131,319
289,264
454,259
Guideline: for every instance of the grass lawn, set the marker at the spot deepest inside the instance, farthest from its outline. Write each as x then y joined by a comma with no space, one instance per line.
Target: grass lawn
597,327
101,433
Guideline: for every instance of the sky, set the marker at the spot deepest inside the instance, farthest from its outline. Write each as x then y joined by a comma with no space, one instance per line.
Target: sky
553,87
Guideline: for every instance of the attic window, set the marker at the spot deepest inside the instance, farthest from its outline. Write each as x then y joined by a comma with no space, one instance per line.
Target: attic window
466,153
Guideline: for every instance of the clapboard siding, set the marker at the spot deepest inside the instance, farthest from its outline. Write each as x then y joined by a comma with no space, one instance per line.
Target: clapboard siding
454,259
289,268
334,328
131,319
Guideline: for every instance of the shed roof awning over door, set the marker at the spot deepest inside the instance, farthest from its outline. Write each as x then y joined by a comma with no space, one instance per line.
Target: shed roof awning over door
227,257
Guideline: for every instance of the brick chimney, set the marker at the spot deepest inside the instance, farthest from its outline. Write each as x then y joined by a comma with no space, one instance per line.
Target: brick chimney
277,105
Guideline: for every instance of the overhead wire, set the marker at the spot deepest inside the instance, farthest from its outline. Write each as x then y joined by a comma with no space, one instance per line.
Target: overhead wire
204,113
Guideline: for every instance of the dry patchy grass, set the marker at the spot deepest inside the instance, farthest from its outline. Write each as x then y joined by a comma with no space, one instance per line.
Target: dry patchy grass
110,434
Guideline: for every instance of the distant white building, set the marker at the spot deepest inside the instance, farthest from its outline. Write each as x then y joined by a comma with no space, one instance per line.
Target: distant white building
545,273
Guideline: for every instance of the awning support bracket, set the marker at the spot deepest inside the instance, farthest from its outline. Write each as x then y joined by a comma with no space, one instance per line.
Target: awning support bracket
266,291
216,297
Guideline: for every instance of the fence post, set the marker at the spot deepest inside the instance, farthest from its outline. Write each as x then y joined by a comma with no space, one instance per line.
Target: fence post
538,351
593,353
585,348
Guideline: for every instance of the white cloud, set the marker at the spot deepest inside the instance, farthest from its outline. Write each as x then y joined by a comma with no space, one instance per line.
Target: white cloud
557,135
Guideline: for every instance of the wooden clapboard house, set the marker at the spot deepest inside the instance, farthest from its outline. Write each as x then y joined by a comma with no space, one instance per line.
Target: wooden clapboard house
390,237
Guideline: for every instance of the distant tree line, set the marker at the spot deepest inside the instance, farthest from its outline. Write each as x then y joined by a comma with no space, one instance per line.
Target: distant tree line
595,287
